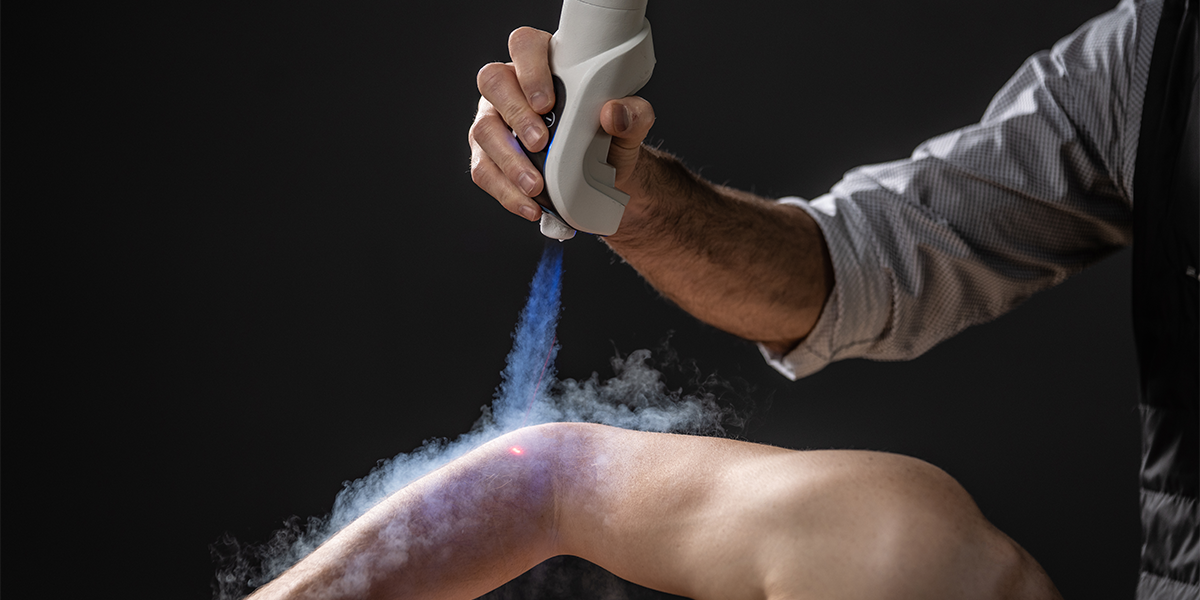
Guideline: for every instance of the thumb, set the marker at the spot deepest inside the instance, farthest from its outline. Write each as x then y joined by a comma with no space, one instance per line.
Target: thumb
627,120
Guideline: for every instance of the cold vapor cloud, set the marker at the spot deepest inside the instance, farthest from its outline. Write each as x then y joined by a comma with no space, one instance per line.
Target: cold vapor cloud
636,397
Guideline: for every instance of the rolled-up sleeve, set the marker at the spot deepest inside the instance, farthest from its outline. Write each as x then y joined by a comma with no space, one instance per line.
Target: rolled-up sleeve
977,220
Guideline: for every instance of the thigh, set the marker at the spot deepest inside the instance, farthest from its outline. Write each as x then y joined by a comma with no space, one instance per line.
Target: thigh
705,517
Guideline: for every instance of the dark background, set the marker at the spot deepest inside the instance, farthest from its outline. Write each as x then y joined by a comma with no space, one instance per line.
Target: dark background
246,260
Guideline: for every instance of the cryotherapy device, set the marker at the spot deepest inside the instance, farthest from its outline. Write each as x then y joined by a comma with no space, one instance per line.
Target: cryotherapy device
601,51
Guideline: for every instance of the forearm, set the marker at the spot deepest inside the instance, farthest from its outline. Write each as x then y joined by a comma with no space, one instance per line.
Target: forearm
458,532
749,266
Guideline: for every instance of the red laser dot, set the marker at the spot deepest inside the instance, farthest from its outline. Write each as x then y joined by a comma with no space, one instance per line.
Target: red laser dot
517,450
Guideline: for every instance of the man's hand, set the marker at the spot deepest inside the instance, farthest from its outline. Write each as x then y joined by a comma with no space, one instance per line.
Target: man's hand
754,268
514,96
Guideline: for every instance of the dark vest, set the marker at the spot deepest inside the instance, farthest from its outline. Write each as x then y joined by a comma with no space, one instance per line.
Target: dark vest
1166,309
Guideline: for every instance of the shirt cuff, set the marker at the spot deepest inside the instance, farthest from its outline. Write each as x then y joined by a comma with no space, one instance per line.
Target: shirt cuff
859,305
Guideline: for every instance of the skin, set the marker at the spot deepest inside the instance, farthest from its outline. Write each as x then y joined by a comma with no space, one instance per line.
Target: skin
717,518
749,266
699,517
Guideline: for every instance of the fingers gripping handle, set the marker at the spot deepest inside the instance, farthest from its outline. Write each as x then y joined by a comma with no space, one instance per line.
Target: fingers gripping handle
603,50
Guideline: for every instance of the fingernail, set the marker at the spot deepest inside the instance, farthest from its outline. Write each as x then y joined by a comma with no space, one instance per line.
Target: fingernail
528,183
538,100
531,136
528,213
622,119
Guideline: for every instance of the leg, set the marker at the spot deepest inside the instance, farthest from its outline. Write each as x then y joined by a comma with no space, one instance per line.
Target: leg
458,532
699,517
711,518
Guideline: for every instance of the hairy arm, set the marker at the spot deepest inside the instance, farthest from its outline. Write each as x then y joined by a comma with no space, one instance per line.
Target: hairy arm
752,267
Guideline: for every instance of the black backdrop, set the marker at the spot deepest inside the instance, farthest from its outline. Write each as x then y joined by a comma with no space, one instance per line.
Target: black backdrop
246,260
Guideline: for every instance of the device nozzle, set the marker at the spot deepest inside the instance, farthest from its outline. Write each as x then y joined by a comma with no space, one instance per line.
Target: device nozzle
554,228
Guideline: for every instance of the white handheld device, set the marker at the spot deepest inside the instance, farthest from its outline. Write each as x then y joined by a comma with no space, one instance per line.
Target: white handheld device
601,51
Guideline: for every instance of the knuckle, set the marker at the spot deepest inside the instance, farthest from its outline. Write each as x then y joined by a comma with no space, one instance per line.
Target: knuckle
518,35
476,131
489,74
486,130
480,174
523,36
